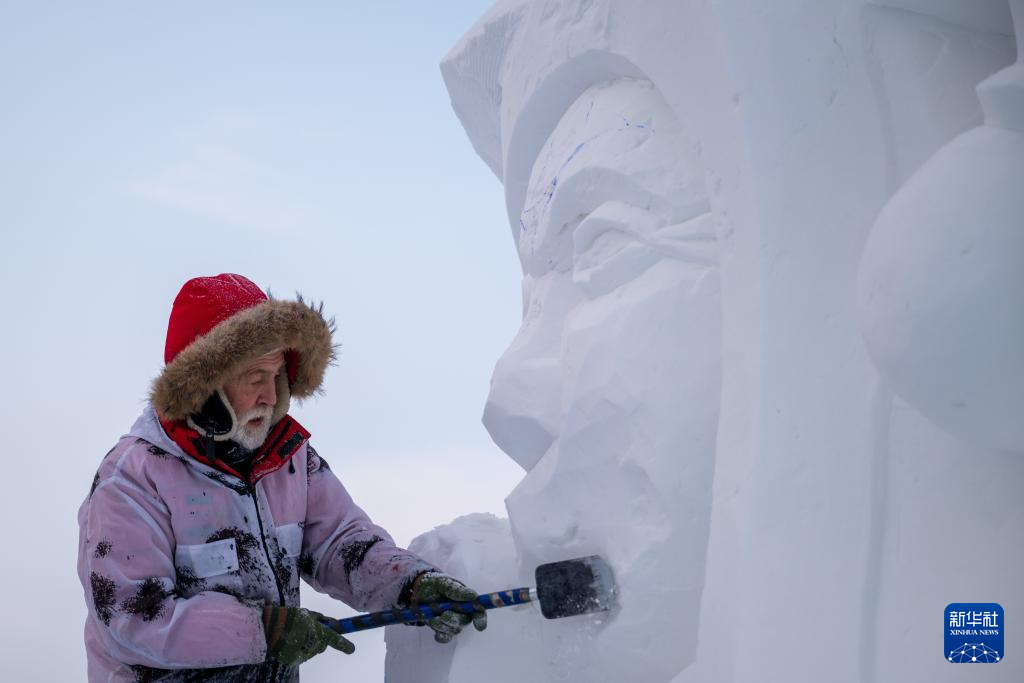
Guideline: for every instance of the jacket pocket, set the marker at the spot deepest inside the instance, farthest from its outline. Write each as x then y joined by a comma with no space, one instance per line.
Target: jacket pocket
289,538
208,559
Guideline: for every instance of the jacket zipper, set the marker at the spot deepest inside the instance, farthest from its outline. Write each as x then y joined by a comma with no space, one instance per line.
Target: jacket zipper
270,563
266,548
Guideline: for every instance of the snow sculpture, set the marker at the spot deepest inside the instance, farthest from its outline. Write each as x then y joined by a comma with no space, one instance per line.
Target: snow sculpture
711,269
609,393
947,250
941,276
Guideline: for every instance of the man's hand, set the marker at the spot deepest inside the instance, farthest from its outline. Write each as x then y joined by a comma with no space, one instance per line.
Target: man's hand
438,587
295,634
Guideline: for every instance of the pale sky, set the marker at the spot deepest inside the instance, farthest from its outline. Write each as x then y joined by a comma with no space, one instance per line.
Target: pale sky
310,147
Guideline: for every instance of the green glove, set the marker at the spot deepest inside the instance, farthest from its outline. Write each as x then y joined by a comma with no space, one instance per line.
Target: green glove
295,634
438,587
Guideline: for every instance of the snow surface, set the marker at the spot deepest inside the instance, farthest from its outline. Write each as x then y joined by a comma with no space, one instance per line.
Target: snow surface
772,352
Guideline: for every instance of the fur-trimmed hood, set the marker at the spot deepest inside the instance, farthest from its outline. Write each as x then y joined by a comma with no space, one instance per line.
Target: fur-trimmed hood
194,373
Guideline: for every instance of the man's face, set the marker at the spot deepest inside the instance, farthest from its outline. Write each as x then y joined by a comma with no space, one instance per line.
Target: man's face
252,392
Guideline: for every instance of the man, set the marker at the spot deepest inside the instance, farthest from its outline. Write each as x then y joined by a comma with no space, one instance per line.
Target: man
201,520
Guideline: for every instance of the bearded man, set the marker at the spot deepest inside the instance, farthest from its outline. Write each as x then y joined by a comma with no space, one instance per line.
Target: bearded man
201,520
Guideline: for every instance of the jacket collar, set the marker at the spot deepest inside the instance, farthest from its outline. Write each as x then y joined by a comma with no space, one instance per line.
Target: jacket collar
282,443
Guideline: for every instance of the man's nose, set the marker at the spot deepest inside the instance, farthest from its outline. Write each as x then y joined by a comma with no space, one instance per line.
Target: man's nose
268,393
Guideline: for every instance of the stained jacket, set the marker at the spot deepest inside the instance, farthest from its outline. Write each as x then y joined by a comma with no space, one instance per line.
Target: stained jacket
178,558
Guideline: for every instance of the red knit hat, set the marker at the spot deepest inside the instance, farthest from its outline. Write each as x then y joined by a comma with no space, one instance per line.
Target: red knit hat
217,323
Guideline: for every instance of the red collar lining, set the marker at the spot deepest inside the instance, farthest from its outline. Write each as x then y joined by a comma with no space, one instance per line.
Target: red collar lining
283,441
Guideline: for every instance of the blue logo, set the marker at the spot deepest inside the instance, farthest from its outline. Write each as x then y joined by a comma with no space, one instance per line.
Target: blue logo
974,633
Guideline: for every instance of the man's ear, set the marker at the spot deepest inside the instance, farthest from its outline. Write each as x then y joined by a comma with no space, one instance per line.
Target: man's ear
215,418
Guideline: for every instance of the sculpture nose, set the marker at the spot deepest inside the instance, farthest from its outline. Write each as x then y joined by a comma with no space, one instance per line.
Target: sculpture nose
523,407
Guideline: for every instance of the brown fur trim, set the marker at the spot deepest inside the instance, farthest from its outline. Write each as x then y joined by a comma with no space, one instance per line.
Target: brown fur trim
284,395
202,367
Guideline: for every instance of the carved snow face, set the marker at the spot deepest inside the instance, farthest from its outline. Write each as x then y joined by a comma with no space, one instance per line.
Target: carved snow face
615,217
609,393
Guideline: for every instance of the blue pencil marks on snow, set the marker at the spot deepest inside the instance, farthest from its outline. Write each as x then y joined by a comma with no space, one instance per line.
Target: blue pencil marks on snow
571,156
636,125
529,213
550,192
526,220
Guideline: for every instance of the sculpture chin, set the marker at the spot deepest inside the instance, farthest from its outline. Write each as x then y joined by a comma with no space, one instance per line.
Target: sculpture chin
939,292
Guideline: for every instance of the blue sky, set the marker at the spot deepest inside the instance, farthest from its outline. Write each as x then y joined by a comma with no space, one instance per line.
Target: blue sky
311,147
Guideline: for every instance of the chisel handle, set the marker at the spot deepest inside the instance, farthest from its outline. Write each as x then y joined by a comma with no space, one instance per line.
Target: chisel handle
427,611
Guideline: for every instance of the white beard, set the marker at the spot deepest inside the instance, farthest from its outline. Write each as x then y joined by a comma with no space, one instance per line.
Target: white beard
252,438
